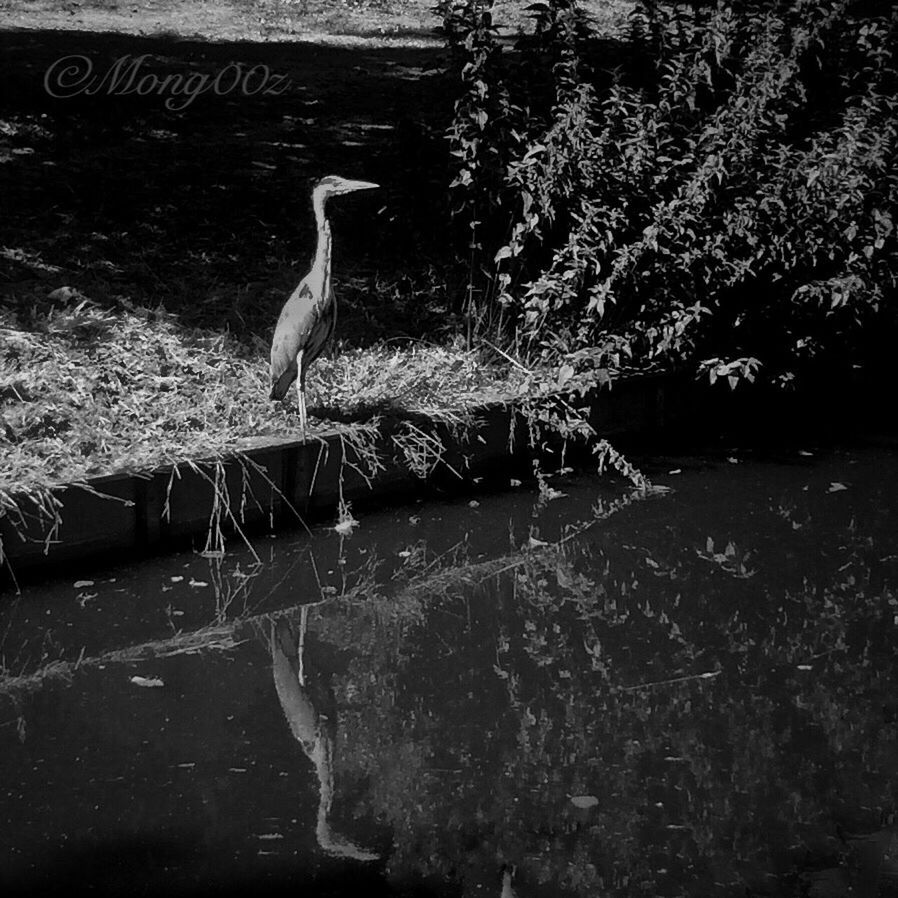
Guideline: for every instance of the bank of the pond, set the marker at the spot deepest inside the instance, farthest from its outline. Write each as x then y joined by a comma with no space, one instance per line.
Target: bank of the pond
281,481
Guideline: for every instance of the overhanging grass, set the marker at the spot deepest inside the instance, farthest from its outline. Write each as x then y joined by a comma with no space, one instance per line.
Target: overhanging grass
88,390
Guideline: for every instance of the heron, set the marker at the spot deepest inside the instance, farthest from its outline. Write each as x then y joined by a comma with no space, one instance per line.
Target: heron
309,316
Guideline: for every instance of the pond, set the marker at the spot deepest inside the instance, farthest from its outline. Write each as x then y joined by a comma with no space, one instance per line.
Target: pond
686,691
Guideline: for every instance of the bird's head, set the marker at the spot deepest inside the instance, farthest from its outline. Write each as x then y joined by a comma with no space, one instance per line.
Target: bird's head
334,185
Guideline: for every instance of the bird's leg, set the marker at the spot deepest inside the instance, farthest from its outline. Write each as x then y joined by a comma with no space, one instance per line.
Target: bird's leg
301,394
301,405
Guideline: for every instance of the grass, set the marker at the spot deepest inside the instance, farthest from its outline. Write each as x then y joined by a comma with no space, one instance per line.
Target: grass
90,390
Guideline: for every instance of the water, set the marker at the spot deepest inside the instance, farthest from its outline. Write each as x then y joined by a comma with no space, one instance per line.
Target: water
693,693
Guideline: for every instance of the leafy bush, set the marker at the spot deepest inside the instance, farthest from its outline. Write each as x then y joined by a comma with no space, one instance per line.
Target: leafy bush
725,200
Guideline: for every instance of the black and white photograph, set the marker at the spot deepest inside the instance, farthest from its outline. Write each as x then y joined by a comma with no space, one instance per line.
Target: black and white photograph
449,448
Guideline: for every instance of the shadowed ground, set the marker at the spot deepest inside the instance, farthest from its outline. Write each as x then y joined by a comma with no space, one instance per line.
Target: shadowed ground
207,209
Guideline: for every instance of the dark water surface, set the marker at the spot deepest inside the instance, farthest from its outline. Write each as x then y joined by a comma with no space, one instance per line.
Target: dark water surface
687,692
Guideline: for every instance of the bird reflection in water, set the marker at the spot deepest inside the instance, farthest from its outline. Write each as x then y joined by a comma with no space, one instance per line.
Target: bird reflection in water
310,708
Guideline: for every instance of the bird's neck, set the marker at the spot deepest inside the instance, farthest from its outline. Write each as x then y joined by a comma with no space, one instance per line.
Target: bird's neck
321,265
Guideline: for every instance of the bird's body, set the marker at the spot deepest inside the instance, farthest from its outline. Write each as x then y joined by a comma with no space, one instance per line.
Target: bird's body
309,316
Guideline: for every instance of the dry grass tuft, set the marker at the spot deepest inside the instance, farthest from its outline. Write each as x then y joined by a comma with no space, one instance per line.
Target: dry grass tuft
437,382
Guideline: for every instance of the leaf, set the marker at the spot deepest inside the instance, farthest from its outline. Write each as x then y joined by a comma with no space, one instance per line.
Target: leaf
147,682
81,584
836,487
584,801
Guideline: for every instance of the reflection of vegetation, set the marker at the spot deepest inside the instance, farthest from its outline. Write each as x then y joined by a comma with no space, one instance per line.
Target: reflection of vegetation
570,671
724,725
208,639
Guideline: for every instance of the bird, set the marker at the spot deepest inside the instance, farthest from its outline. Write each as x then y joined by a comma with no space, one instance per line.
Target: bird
309,315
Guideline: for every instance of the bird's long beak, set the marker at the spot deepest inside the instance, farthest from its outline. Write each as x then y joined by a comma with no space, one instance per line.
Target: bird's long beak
349,186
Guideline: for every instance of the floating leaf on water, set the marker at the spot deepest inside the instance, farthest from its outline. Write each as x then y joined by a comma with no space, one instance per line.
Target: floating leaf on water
404,553
676,471
805,667
584,801
176,579
149,682
197,583
473,504
804,452
836,487
514,482
733,460
80,584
